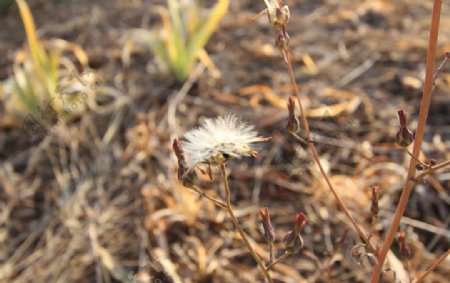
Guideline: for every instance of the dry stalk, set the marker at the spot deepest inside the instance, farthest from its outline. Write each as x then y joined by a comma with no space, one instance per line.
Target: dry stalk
238,226
424,107
430,170
315,155
278,260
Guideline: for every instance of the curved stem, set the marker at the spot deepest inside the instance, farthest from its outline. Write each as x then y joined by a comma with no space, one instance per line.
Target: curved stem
217,202
238,226
416,158
424,107
315,155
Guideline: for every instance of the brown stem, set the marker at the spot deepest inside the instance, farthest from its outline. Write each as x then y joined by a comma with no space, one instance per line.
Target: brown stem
278,260
270,253
217,202
315,155
424,107
433,266
238,226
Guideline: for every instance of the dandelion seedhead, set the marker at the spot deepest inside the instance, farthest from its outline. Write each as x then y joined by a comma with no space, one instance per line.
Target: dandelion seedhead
219,140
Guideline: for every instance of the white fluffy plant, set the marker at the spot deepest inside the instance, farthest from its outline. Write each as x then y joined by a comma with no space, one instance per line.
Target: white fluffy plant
219,140
214,143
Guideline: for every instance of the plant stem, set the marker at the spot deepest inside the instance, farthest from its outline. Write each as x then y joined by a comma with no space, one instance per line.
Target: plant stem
270,253
238,226
217,202
278,260
431,170
433,266
424,107
315,155
416,158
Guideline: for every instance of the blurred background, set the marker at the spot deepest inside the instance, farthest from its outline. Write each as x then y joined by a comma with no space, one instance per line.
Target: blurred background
92,93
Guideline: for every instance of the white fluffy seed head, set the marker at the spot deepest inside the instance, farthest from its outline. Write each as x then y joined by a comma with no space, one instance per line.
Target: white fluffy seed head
219,140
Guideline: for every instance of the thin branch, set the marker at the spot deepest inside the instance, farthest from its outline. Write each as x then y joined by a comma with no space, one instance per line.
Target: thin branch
424,107
416,158
431,170
270,253
433,266
441,66
278,260
238,226
315,155
217,202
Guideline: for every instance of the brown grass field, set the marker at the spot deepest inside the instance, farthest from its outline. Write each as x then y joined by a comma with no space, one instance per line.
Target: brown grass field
96,198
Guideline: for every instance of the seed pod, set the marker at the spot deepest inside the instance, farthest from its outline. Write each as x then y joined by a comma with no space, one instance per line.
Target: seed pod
293,124
186,177
404,136
269,233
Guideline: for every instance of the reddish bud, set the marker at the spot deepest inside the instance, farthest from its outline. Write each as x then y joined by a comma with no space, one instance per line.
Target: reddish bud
269,233
300,222
293,123
404,136
186,177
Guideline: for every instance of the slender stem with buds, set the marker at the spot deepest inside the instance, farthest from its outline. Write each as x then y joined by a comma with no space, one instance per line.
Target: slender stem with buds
238,226
415,157
432,169
315,155
432,267
424,107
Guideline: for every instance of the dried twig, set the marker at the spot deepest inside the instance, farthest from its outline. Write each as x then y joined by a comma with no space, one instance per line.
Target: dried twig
238,226
430,170
315,155
433,266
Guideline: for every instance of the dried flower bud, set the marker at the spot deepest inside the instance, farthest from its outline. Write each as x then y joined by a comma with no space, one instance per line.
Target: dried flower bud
186,177
374,208
419,167
405,252
269,233
404,136
278,16
293,123
300,222
293,242
282,40
431,162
